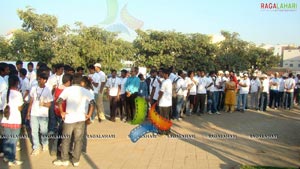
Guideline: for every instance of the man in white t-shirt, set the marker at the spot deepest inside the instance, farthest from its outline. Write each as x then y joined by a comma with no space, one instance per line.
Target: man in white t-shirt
74,120
254,91
263,100
99,100
274,89
95,80
215,88
31,75
282,90
181,86
40,101
165,97
113,85
192,83
289,87
244,90
24,89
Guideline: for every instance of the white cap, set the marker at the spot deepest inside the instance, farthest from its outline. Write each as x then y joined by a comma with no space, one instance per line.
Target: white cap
254,74
184,72
226,72
245,74
97,65
220,72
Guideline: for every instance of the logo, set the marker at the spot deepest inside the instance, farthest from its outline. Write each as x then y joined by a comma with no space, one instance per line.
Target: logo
278,6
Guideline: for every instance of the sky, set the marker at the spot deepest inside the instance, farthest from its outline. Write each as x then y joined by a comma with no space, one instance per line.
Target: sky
187,16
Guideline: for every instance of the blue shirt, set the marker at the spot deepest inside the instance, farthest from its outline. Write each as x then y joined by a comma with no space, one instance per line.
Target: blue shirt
143,90
132,85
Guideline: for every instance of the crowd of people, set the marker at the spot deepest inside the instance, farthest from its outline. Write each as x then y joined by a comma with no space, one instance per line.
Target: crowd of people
62,101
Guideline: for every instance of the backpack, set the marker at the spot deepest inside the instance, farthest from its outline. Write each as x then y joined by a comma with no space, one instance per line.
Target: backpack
57,92
174,87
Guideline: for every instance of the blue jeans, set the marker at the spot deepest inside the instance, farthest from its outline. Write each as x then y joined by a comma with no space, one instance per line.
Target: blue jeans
263,100
209,101
52,119
95,110
10,143
180,101
242,99
215,101
289,100
39,124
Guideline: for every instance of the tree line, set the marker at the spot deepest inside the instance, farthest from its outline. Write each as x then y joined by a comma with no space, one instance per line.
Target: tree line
41,39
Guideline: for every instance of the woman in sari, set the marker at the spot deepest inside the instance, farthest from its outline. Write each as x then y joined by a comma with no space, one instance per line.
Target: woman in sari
230,95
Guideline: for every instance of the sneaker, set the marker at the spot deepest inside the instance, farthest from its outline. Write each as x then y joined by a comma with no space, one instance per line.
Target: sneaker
209,112
45,148
35,152
218,113
179,118
14,163
61,163
76,164
1,155
5,159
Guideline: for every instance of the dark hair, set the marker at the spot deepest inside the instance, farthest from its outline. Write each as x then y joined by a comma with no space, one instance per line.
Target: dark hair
141,76
3,65
113,70
77,79
91,67
19,62
23,72
87,82
60,65
43,76
124,71
30,64
13,72
79,69
290,74
66,78
11,67
190,72
13,81
180,72
43,69
165,71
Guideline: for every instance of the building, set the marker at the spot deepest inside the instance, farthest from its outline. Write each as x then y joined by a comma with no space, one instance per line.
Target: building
291,59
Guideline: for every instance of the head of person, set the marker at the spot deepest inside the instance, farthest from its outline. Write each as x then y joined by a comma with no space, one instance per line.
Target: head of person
160,72
30,67
201,73
212,73
4,69
91,69
231,73
134,71
153,73
13,81
97,67
67,80
180,73
71,71
124,73
113,73
191,74
19,65
276,75
184,75
166,73
44,69
86,83
231,78
220,73
254,76
245,75
23,73
39,64
77,79
290,75
42,79
80,70
59,69
227,73
172,69
141,77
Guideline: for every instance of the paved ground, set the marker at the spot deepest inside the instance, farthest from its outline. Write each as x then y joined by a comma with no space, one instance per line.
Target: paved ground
199,150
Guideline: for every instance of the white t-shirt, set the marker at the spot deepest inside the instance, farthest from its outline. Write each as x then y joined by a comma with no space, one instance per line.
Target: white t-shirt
113,85
40,95
275,80
102,78
245,90
216,83
172,77
192,84
181,86
76,98
123,81
224,79
281,85
96,79
209,81
54,80
25,86
289,83
265,85
202,84
155,83
3,90
15,101
166,99
254,85
31,76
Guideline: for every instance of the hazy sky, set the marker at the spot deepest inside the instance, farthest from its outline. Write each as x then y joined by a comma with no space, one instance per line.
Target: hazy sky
188,16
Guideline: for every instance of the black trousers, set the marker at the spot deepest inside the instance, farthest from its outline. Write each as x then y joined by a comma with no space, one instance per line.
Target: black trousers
274,98
263,101
130,106
113,105
200,102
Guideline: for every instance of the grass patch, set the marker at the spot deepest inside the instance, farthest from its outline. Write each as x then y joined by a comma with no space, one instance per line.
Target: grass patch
264,167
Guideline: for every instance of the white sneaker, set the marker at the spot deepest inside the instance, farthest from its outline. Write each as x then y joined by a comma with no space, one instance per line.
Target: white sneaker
209,112
76,164
14,163
218,113
61,163
1,155
35,152
5,160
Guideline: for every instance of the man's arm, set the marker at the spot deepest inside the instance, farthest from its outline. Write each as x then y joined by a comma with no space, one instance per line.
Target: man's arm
91,109
29,108
62,113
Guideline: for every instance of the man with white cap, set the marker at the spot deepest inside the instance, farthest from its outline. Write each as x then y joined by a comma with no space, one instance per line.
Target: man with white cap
244,90
99,101
254,90
263,100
